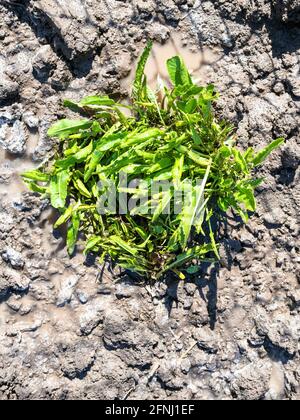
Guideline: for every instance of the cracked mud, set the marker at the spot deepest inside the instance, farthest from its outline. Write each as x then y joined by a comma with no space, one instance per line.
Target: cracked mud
233,331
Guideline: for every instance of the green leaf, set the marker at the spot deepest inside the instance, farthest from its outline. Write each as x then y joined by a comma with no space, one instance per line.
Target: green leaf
198,223
178,72
223,204
196,137
82,188
72,105
78,157
196,252
193,269
92,244
142,137
191,106
246,196
212,240
240,160
224,152
92,165
194,156
72,233
249,154
152,98
82,154
191,211
36,175
162,164
34,187
111,142
178,171
64,128
63,218
59,189
242,213
140,72
163,203
123,245
254,183
96,101
264,153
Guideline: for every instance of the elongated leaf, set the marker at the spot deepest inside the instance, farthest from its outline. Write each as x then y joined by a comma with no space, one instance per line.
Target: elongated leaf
240,160
194,156
213,241
254,183
96,101
199,219
64,128
178,171
64,217
152,98
242,213
163,175
34,187
91,244
72,150
82,154
193,269
112,141
92,165
59,189
82,188
72,105
196,137
140,71
193,205
223,204
36,175
264,153
72,233
248,155
163,203
190,106
162,164
124,245
141,137
178,72
78,157
197,211
196,252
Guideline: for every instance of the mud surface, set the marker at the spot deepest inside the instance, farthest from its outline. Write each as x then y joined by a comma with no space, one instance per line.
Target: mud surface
233,331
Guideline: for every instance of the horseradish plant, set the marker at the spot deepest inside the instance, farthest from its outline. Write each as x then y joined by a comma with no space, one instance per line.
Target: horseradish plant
172,140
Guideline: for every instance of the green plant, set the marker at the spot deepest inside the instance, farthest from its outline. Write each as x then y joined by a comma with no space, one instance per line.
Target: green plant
172,135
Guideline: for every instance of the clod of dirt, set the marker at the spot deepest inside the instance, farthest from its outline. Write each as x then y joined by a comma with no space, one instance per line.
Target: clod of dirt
9,91
291,155
75,31
66,291
31,120
13,257
13,135
44,63
256,385
90,316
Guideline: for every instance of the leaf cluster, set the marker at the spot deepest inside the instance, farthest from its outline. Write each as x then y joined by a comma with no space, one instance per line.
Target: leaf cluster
171,135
